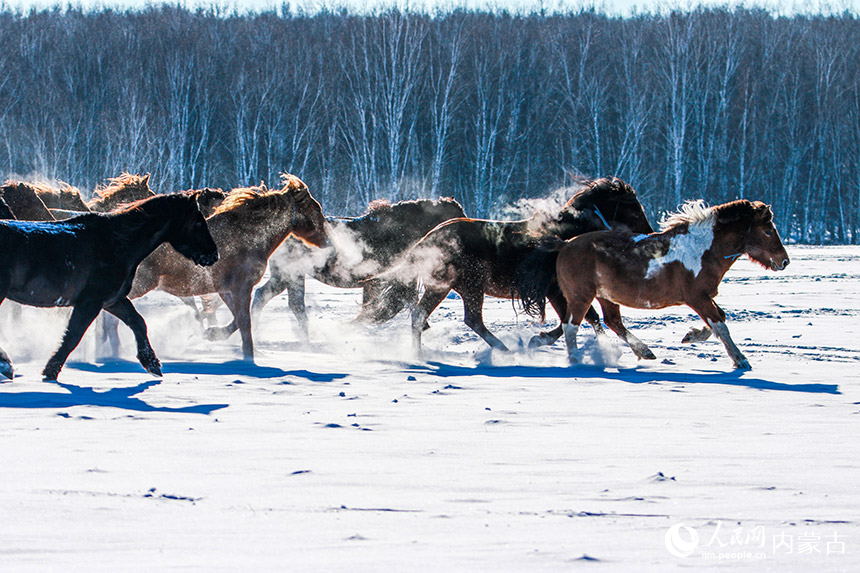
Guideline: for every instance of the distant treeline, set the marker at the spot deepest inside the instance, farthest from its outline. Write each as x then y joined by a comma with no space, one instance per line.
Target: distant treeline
486,107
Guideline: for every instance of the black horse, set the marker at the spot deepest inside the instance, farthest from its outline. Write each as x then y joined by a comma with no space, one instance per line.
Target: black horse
88,262
5,211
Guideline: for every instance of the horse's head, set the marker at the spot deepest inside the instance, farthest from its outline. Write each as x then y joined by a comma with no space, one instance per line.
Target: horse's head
604,203
308,221
753,221
208,199
190,234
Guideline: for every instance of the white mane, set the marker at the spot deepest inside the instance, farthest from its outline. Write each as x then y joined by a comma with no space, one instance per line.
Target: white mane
691,212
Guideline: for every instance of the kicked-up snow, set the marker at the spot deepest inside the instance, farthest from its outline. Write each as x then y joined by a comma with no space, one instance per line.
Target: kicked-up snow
348,454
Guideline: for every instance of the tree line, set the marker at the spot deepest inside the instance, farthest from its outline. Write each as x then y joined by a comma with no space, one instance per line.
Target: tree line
487,107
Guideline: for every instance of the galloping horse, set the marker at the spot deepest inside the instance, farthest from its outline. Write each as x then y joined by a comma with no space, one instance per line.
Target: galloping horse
475,257
247,227
88,262
24,201
359,248
683,264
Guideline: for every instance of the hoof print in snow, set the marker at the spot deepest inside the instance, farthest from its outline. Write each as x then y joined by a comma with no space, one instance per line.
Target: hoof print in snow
660,476
585,557
299,472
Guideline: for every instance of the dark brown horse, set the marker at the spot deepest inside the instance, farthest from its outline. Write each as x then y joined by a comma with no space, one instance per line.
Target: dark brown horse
88,262
5,211
359,248
24,201
247,227
60,196
475,257
683,264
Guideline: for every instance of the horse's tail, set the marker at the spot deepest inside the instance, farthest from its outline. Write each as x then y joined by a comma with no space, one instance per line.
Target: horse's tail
535,276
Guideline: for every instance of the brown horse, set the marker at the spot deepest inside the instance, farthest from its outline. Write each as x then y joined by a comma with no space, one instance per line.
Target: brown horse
475,257
247,227
61,196
683,264
24,201
124,188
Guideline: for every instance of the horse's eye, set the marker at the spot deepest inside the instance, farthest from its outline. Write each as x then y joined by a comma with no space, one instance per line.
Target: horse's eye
768,234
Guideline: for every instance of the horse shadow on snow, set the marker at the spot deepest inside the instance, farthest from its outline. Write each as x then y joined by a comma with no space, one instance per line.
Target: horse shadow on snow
124,398
629,375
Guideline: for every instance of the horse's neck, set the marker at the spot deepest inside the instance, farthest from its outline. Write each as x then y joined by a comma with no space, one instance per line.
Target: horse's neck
726,247
137,233
265,232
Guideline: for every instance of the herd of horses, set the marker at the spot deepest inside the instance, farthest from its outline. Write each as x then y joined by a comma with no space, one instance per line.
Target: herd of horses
58,250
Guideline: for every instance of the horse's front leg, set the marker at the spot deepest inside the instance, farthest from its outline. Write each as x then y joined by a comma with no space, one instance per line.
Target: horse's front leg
715,318
82,316
6,368
126,312
431,298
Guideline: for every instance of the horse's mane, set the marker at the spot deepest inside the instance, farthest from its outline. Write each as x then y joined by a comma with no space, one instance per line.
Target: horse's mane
410,208
259,198
119,183
695,212
602,186
698,213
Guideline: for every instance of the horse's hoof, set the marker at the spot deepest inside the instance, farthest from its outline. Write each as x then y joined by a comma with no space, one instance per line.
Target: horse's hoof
743,365
647,355
7,370
214,333
50,373
697,335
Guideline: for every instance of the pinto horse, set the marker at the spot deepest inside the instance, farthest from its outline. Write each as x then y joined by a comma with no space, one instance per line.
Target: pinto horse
247,227
683,264
475,257
88,262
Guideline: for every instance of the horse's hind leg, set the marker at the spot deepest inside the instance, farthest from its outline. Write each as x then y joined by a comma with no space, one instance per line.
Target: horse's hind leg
428,303
715,318
473,305
239,301
612,316
697,335
107,337
550,336
82,316
126,312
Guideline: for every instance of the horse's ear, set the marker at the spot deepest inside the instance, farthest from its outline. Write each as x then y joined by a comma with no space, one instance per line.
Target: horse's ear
762,211
145,178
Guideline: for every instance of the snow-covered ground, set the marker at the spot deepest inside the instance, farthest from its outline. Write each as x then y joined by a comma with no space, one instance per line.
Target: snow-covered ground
350,455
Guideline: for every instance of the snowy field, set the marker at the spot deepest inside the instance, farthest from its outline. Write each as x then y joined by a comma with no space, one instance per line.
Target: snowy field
349,455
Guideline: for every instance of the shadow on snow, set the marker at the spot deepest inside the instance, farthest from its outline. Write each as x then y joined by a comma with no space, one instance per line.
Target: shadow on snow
229,368
81,396
630,375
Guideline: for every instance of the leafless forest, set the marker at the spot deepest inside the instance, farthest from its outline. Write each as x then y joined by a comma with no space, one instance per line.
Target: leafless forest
486,107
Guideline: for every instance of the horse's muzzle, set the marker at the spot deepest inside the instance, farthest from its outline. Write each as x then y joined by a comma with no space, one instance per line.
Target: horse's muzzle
778,266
